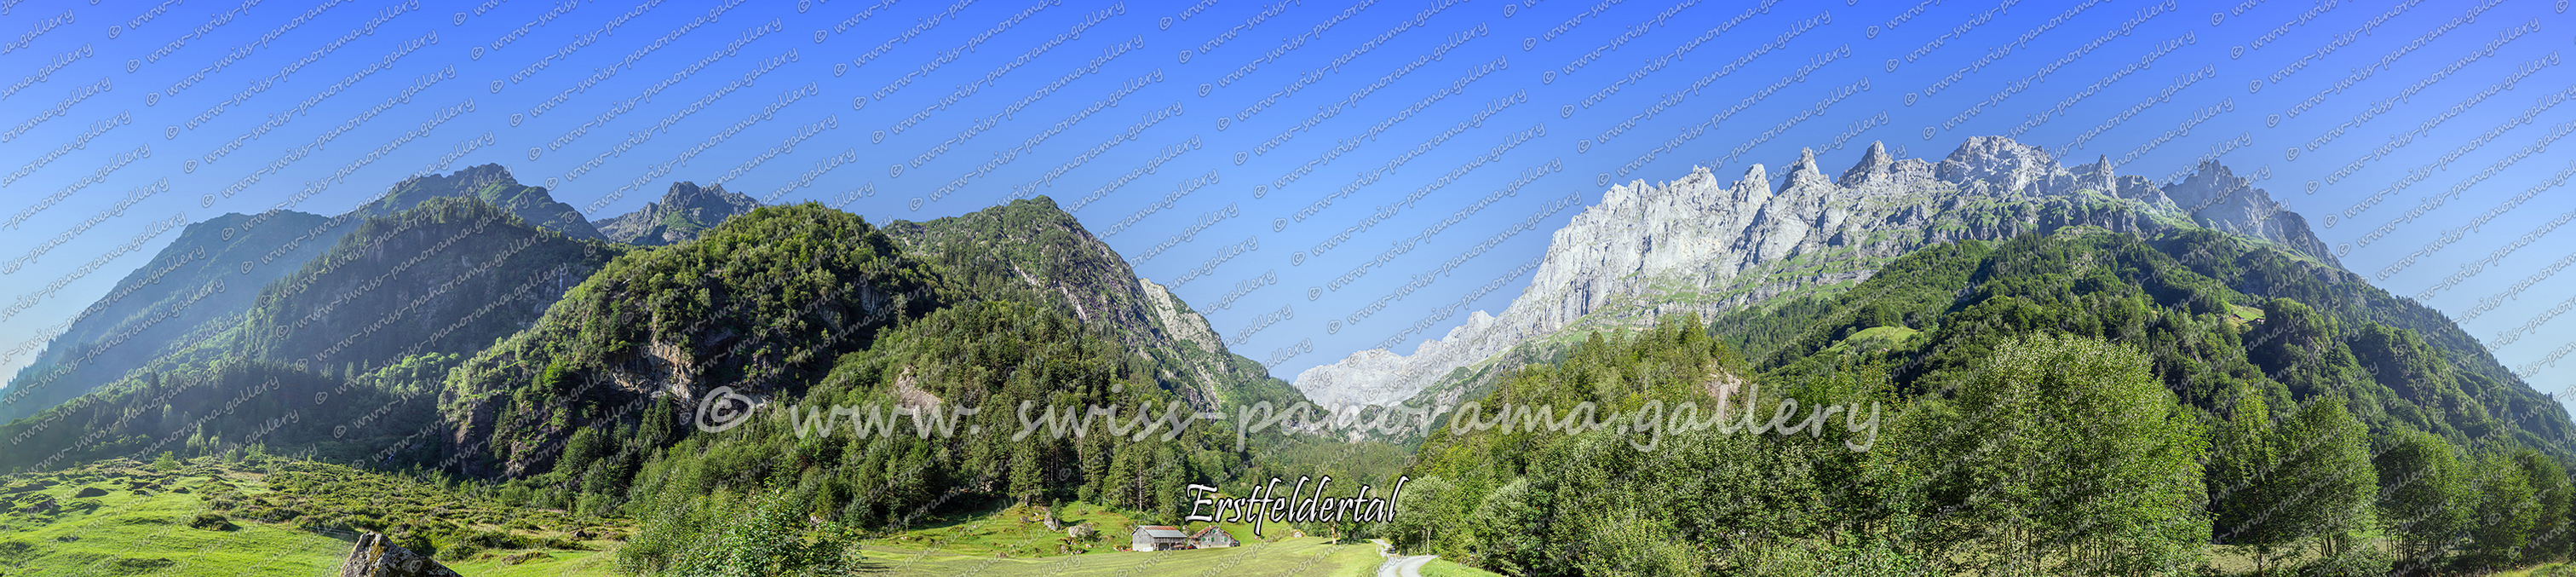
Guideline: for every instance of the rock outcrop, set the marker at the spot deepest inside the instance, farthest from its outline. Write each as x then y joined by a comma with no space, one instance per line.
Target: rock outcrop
682,213
1702,244
376,556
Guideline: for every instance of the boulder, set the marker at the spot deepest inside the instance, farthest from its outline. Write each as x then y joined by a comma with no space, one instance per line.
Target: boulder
377,556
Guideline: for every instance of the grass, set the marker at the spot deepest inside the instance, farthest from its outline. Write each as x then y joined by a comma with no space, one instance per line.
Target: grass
1447,568
131,530
541,564
1295,556
1015,531
2548,570
1875,338
260,516
2240,316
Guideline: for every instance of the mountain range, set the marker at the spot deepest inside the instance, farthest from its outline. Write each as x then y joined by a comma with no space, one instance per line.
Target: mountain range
473,330
209,278
1705,245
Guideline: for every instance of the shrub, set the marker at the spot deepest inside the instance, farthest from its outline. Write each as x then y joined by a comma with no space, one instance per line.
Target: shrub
212,522
459,551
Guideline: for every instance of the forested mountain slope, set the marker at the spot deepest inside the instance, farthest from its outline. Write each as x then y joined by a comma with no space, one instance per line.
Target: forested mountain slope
1032,252
2119,402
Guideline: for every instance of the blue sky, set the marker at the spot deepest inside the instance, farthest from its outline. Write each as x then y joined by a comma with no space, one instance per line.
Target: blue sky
1302,158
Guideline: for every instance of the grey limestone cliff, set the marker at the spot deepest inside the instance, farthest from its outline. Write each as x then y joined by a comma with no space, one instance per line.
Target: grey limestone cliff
1706,245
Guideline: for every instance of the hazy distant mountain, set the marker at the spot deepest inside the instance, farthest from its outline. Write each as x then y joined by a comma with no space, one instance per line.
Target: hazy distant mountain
210,273
1705,245
217,268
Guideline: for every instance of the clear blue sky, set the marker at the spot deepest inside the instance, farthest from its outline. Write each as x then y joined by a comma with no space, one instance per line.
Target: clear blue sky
1276,107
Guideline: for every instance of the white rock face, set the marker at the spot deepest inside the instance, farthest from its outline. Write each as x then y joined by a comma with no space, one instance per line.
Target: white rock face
2219,199
1699,244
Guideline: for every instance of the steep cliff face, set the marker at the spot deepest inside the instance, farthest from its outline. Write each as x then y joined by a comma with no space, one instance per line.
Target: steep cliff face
1700,244
682,214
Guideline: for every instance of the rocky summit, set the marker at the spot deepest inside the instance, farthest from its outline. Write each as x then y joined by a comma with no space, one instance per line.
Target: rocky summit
682,213
1706,245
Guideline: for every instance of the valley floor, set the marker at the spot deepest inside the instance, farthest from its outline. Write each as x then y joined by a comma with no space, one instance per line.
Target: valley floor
1296,556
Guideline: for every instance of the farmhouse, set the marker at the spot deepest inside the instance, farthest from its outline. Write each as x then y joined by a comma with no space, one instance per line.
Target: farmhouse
1158,538
1212,538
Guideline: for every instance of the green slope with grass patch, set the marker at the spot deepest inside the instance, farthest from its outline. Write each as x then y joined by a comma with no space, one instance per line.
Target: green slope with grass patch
265,515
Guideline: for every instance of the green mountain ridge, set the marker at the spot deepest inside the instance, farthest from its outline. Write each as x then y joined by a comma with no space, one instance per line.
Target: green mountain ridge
2106,391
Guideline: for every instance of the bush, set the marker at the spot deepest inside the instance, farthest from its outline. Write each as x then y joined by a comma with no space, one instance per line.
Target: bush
212,522
418,542
459,551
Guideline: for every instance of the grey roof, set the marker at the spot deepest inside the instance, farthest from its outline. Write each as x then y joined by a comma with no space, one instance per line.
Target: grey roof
1161,532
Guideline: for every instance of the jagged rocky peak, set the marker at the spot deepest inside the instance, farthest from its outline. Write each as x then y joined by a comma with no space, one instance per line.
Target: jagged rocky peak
1694,244
681,214
2008,167
1876,165
2213,184
2098,176
685,195
1805,174
1755,186
2217,198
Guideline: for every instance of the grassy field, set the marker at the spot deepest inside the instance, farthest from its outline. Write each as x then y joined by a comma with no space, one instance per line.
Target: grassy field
2549,570
539,564
261,517
1295,556
1447,568
1014,540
